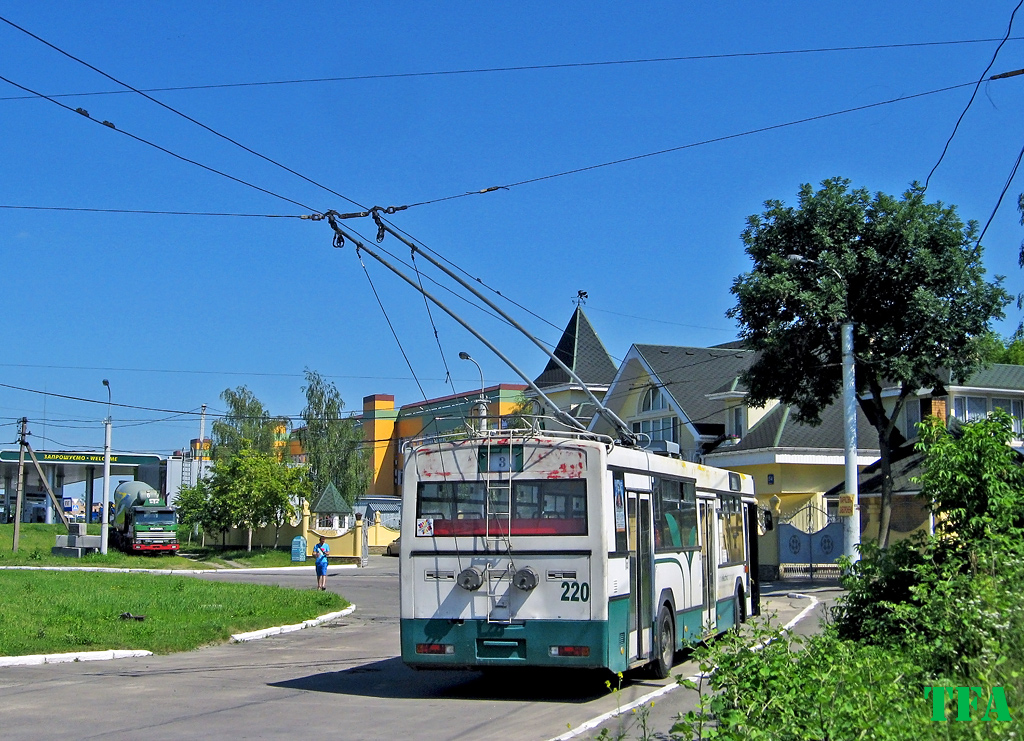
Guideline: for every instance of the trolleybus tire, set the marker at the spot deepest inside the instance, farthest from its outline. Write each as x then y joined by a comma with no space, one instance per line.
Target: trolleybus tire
661,667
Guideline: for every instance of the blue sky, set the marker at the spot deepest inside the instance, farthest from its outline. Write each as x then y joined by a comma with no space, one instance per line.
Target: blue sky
174,309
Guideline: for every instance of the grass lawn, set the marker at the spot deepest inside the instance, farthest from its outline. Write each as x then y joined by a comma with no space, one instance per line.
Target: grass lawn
59,612
36,540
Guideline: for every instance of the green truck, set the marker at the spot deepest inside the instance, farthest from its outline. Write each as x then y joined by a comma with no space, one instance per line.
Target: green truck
143,521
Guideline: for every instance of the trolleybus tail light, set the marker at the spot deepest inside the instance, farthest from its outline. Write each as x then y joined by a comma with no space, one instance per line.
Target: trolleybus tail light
435,648
580,651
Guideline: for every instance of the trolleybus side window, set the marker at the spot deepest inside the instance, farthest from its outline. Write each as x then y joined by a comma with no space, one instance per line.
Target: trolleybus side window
731,530
619,509
547,507
675,515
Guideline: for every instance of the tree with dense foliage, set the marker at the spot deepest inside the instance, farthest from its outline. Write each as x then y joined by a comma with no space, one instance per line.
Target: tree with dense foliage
257,488
333,444
907,273
192,504
247,424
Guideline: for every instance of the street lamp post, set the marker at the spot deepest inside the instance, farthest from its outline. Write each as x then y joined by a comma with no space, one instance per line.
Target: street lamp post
104,519
851,521
481,406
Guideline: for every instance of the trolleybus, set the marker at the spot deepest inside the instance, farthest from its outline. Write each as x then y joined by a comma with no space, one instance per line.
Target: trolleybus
525,548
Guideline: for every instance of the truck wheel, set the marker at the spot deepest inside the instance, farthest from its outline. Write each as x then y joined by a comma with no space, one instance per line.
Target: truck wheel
661,667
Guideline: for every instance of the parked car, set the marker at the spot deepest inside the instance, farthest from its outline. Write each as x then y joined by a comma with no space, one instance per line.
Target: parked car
393,546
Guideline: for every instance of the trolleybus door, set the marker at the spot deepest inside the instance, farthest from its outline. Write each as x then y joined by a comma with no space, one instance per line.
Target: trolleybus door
709,561
641,578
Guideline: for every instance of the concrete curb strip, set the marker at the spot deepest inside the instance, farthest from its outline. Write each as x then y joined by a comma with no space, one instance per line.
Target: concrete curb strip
256,635
595,722
69,658
172,572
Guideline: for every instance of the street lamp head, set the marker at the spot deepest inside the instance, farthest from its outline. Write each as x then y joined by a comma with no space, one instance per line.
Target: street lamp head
464,355
800,260
106,383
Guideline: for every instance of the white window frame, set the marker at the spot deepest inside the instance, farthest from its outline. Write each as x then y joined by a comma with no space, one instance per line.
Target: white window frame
970,408
1015,408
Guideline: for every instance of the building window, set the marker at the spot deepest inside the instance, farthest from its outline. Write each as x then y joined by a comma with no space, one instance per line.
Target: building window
736,421
663,428
911,418
1013,407
654,400
970,408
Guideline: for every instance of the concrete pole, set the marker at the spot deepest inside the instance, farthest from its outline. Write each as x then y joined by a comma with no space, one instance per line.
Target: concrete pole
202,433
104,518
20,495
851,524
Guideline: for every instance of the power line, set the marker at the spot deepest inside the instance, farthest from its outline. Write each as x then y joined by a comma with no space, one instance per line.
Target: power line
522,68
1006,187
182,115
146,211
109,125
203,372
691,145
660,321
973,94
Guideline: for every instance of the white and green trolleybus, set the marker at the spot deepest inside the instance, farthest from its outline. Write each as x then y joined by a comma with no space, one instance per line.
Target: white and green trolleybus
527,548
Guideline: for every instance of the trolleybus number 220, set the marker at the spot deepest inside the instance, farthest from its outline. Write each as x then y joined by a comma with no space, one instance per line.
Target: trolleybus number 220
574,591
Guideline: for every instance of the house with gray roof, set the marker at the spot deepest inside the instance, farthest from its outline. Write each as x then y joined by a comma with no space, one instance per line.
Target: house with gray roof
692,401
580,349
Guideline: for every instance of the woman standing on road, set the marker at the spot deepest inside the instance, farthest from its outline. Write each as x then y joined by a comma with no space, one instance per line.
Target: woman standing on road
321,551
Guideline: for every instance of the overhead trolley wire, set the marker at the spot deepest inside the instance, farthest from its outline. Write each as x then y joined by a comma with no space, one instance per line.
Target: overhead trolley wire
139,139
183,115
148,211
963,113
523,68
691,145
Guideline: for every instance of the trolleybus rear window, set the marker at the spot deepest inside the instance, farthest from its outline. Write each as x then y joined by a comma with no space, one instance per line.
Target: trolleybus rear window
546,507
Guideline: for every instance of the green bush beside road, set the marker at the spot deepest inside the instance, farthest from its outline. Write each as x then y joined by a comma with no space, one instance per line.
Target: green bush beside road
919,620
59,612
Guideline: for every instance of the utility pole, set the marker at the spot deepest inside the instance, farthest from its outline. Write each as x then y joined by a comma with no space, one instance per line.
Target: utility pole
21,483
104,514
202,438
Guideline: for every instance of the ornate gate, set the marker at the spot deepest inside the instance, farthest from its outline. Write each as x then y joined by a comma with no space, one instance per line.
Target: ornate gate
809,539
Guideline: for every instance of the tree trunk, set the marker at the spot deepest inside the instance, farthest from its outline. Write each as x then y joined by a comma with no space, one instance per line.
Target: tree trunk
885,463
249,544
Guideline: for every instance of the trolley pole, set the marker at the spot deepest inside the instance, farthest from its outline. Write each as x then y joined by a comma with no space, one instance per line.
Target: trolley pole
20,495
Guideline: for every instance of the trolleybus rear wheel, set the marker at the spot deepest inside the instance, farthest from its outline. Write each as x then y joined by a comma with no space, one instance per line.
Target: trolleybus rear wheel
661,667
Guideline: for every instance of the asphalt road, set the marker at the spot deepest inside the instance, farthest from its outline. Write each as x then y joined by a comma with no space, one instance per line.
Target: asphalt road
341,680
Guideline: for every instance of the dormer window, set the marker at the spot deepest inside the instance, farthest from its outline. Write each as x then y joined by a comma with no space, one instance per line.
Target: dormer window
737,416
654,400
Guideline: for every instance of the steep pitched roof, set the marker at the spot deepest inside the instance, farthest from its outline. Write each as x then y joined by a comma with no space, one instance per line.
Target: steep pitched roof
581,349
330,502
689,374
779,429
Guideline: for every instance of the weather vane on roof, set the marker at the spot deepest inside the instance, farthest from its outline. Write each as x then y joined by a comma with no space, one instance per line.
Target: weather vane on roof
581,298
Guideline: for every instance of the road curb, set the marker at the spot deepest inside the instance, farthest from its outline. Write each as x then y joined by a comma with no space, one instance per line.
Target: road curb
256,635
595,722
172,572
35,659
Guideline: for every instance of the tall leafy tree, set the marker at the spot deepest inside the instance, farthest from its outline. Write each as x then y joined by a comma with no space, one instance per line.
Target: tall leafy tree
908,274
192,504
247,424
333,444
